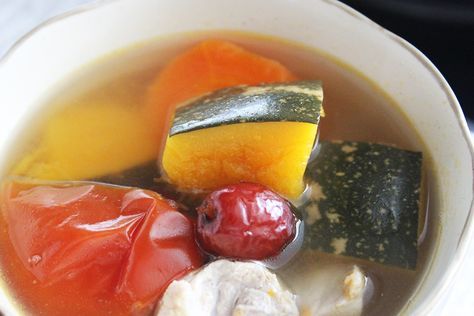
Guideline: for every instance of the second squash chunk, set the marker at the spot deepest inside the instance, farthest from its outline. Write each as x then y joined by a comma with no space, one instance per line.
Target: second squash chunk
261,134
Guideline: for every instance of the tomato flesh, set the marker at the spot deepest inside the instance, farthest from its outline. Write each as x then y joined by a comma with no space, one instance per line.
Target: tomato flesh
93,249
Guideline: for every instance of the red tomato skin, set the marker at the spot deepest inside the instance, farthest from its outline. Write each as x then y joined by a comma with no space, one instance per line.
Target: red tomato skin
162,244
85,249
245,221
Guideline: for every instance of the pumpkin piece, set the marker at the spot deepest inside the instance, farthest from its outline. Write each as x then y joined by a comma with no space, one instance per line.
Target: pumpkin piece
208,66
147,176
262,134
88,141
365,202
273,154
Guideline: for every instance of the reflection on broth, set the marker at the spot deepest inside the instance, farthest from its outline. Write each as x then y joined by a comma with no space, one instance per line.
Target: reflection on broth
364,214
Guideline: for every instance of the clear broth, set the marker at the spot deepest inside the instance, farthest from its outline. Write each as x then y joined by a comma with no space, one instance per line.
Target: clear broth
356,109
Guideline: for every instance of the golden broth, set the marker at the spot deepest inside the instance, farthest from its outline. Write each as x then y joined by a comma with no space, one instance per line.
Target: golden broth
355,108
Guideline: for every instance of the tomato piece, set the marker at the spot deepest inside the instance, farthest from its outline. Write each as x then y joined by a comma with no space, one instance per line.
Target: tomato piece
246,221
161,249
94,249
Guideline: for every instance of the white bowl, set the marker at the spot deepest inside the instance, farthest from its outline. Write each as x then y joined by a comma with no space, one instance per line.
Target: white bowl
58,47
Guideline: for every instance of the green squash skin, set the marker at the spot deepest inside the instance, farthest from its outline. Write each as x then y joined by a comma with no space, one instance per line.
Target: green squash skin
141,176
147,177
299,101
365,202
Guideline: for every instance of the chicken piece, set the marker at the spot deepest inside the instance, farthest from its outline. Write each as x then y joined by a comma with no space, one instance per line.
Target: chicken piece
228,288
325,287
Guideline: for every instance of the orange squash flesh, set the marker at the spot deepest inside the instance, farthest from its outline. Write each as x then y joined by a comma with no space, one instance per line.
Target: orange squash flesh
271,153
208,66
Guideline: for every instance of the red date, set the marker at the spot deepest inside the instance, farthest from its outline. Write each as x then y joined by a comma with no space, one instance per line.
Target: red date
245,221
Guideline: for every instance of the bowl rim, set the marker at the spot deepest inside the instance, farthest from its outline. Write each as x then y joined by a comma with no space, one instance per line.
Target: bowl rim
445,282
467,231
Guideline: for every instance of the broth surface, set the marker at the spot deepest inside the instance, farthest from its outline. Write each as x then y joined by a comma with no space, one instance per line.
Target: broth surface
355,109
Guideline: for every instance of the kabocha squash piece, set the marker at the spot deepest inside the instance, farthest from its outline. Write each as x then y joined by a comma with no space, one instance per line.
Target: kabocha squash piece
88,141
365,202
208,66
147,176
140,176
261,134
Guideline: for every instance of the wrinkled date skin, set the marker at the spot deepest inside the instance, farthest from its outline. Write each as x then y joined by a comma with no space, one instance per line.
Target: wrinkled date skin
245,221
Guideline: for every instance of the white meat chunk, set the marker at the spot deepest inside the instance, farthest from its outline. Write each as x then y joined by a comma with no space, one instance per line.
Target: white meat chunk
228,288
325,286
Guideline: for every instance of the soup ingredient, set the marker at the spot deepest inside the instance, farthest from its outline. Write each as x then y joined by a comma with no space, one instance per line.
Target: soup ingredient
246,221
326,286
147,176
262,134
90,249
143,176
208,66
87,141
228,288
299,101
365,202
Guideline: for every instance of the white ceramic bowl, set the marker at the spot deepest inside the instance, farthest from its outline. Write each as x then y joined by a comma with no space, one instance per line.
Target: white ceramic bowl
61,45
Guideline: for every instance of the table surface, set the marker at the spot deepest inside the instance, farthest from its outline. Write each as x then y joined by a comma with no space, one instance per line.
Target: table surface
17,17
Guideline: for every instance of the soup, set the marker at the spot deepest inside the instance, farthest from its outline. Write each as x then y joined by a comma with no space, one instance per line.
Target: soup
94,131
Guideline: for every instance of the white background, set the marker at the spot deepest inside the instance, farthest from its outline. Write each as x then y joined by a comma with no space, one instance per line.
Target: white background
17,17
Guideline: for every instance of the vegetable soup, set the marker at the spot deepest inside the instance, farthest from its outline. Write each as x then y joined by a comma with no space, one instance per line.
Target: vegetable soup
216,173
